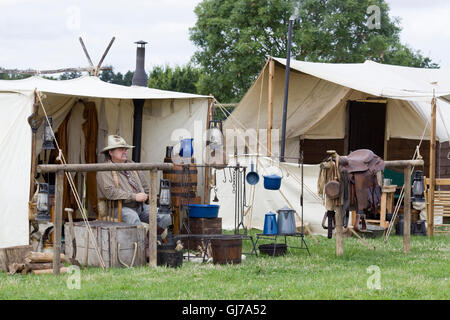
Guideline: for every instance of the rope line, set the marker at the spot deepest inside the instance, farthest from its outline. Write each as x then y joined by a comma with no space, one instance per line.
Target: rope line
72,184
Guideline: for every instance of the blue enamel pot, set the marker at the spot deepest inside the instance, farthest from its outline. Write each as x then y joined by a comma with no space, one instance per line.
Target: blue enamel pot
272,182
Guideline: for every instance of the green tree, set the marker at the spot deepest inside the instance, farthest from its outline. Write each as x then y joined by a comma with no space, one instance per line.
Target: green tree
235,37
181,78
70,75
13,76
116,78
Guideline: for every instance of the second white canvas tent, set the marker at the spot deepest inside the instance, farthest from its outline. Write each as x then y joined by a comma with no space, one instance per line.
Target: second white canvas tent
318,95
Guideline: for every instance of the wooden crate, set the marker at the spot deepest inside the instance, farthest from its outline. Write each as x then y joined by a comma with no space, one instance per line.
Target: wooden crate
202,226
205,225
109,237
12,255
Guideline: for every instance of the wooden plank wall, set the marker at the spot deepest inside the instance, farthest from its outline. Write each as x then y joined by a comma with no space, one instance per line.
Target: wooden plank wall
403,149
315,151
397,149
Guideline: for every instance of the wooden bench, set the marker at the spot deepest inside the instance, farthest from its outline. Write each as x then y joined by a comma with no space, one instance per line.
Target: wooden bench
441,205
386,205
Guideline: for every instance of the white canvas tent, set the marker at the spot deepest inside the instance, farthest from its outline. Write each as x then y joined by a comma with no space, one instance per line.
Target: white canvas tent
318,94
164,111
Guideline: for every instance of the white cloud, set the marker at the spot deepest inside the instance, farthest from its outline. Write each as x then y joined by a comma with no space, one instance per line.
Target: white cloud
35,33
425,27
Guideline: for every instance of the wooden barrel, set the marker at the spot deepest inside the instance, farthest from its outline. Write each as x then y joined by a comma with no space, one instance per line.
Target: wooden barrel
226,250
183,179
183,188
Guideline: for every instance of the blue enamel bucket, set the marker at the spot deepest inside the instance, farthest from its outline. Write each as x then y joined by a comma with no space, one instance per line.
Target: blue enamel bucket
272,182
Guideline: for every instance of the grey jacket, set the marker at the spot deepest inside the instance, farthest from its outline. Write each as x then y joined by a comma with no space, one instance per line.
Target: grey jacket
107,188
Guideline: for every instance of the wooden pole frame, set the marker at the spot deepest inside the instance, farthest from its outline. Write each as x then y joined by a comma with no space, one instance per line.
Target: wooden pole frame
60,169
152,224
406,165
59,190
407,210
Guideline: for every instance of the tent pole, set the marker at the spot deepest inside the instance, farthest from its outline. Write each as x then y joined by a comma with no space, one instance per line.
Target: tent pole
33,148
206,185
430,222
286,89
270,107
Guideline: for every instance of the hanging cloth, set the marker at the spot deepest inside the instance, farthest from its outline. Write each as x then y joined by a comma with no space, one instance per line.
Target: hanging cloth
90,130
102,131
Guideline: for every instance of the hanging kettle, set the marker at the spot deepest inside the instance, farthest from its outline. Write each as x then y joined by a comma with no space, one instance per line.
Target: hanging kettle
286,221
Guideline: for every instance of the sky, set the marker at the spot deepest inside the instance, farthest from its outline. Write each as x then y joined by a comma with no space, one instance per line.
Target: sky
43,34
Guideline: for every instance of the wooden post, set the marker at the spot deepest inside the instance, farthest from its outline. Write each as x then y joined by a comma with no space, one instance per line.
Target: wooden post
33,148
59,188
407,210
430,218
206,189
152,234
270,106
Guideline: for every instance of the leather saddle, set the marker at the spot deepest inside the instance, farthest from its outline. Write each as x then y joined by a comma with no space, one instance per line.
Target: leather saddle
362,167
361,160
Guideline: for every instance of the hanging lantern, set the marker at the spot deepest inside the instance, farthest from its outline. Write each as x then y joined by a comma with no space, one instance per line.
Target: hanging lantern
215,134
418,187
43,203
48,135
164,218
164,193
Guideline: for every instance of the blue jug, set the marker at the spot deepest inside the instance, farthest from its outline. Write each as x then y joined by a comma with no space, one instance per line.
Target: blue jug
186,149
270,224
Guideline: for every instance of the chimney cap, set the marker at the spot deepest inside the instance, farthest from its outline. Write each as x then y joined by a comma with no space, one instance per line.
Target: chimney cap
141,43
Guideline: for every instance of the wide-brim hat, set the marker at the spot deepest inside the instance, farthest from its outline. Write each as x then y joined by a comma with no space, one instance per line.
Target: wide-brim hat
115,141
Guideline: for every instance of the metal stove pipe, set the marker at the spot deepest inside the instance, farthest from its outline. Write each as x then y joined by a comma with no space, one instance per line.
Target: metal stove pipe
139,79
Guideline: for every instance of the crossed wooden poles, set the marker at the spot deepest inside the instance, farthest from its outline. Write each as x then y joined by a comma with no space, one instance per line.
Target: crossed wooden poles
94,71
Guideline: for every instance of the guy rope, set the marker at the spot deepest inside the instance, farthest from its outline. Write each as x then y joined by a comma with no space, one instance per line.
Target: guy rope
72,185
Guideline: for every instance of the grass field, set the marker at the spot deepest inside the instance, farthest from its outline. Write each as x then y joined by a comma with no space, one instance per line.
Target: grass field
424,273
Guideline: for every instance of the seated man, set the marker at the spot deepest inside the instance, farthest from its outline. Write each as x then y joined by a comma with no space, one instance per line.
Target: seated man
131,187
